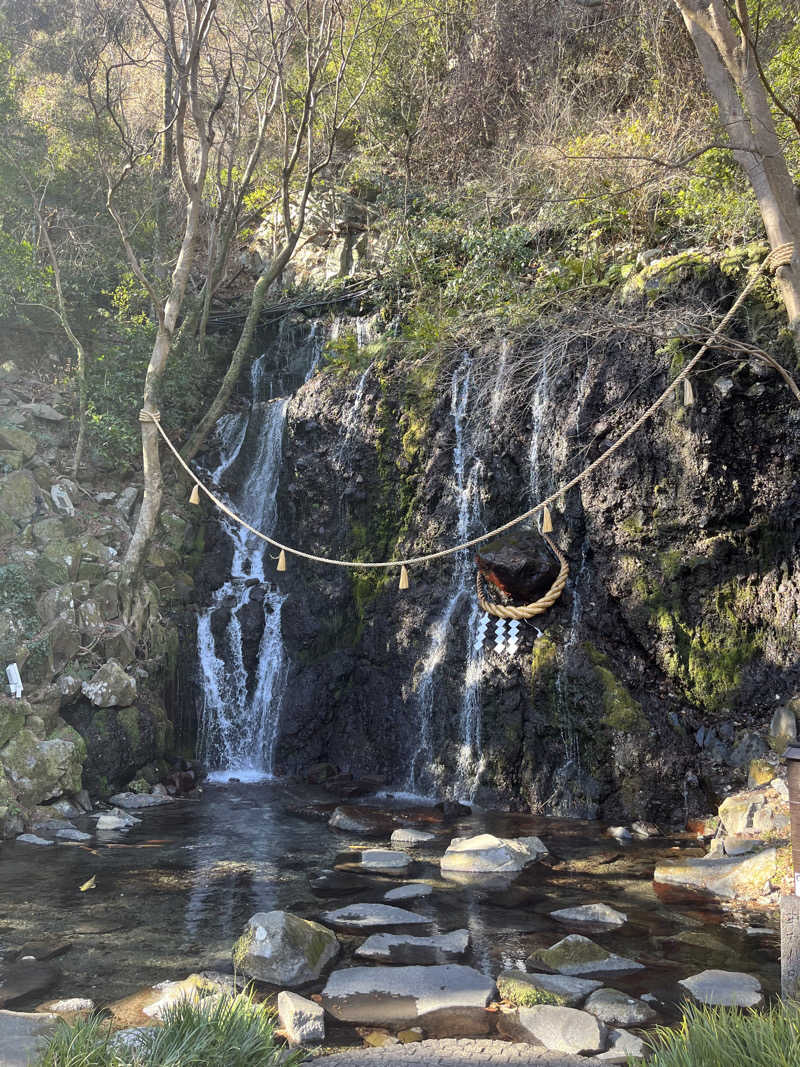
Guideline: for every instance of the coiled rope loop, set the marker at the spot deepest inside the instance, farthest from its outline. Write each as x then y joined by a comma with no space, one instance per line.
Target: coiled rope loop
538,607
780,256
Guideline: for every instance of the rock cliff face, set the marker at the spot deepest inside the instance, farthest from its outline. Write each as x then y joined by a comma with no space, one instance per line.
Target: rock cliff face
656,674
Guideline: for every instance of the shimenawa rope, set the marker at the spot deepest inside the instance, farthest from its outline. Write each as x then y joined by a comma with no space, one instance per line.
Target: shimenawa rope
780,256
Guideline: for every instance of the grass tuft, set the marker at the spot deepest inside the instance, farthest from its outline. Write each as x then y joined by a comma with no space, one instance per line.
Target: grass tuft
222,1031
722,1037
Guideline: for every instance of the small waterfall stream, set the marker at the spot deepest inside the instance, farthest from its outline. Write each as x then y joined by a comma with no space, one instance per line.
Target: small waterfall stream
465,485
240,716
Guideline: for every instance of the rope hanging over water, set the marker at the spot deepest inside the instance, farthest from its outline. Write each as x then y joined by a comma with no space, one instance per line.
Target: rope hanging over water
780,256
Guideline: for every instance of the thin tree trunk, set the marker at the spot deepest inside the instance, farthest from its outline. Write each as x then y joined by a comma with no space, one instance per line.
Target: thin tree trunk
218,404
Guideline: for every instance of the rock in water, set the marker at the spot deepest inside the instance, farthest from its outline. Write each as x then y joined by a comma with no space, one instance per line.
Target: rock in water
409,892
728,989
446,1001
591,913
577,955
490,854
399,948
283,949
24,978
619,1009
303,1020
739,877
373,916
408,836
520,565
558,1029
559,988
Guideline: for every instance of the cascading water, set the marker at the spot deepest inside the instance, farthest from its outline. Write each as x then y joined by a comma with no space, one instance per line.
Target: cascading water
239,721
465,485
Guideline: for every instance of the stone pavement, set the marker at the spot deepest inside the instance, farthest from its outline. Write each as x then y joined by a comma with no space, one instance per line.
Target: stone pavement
451,1052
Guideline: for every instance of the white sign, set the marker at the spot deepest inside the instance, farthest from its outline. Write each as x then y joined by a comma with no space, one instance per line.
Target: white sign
14,680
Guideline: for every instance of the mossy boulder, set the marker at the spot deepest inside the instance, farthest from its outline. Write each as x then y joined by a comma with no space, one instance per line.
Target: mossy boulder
42,770
12,717
17,440
58,562
20,496
283,949
111,687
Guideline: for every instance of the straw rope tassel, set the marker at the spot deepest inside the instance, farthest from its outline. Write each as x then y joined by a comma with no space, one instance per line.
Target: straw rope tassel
688,393
282,561
195,495
403,577
547,520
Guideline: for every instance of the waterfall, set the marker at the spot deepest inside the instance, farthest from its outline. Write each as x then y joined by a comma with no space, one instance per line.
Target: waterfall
465,485
239,720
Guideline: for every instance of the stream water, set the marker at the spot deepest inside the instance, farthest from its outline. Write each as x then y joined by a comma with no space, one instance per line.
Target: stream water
175,892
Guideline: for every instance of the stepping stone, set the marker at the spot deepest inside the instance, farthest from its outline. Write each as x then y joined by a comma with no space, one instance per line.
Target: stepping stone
303,1020
621,1045
396,948
728,989
338,883
73,835
384,859
23,1036
408,892
577,955
558,1029
33,839
447,1000
619,1009
590,913
133,801
490,854
373,916
568,992
740,877
407,836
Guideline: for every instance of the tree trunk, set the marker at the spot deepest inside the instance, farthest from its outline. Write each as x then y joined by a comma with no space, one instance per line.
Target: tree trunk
732,75
218,404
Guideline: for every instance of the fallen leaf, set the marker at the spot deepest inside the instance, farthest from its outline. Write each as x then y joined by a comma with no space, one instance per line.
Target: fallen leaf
91,884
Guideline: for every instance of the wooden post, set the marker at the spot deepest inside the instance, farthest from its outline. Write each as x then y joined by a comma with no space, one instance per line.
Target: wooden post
790,904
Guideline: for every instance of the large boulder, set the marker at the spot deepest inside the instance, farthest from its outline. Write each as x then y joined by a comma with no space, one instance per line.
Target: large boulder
42,770
741,877
283,949
110,687
490,854
448,1000
558,1029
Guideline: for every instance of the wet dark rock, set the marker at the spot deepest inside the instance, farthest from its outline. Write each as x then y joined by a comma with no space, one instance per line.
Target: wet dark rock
25,978
43,950
519,565
337,883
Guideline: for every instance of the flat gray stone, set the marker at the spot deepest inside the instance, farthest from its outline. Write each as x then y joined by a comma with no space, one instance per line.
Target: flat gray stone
444,1000
405,835
302,1019
362,823
73,835
110,821
405,949
23,1036
492,855
727,989
570,991
619,1009
133,801
384,859
373,916
578,955
590,913
558,1029
409,892
33,839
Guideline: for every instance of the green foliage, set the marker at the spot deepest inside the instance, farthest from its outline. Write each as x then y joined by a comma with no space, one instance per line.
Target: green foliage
719,1037
230,1032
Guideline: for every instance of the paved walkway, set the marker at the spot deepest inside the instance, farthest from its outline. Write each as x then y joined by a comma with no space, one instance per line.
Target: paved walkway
451,1052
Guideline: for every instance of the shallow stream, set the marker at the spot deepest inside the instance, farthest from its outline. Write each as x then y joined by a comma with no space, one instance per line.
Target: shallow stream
175,892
